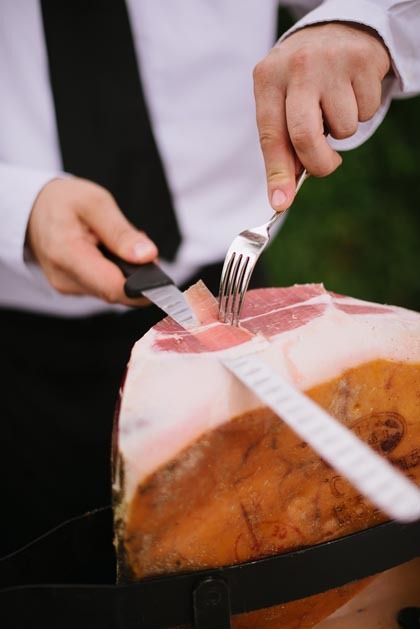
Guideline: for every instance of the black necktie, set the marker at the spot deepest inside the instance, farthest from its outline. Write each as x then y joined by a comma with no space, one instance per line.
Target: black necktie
103,124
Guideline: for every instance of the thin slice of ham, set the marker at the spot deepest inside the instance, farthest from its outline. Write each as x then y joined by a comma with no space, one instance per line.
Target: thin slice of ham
198,459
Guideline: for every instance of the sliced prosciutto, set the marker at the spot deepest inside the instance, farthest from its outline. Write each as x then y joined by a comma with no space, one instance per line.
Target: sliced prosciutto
204,475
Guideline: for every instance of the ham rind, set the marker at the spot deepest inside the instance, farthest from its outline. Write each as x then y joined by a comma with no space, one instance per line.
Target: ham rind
206,476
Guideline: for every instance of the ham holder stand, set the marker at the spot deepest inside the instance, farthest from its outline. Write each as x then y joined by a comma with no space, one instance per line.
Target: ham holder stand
66,579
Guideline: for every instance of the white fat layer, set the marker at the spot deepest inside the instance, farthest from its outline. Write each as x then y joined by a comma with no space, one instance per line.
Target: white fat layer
170,399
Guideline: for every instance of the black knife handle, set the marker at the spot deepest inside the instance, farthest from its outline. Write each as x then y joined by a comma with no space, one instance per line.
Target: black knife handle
140,277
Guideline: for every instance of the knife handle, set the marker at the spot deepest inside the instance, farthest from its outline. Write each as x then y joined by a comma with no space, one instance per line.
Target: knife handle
140,277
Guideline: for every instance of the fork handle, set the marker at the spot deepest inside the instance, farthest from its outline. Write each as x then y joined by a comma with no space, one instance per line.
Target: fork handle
304,175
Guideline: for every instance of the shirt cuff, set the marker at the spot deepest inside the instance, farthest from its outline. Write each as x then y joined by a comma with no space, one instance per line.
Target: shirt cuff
19,188
376,17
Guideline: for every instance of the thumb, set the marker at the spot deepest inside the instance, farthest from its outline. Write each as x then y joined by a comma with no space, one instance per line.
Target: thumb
121,237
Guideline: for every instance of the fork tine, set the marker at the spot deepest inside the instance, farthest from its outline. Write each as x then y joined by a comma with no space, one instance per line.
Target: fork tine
245,282
231,287
226,273
238,291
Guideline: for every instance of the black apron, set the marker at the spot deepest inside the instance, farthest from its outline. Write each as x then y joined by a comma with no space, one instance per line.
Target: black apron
61,376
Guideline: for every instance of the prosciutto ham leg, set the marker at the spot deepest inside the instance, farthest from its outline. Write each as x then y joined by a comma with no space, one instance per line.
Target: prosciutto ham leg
206,476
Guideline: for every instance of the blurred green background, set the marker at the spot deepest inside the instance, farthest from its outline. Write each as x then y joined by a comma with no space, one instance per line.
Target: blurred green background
358,230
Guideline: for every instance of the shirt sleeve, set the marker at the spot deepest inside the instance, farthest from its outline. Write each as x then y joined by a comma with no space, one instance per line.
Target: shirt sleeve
19,188
398,24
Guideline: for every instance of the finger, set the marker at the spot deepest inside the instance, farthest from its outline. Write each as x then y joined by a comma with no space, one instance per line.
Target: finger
368,94
278,154
340,111
306,130
97,276
107,221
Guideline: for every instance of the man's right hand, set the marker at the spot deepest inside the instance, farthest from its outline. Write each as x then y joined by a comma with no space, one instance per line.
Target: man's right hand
69,218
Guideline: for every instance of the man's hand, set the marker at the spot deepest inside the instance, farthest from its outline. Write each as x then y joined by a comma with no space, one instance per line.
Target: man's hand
70,217
325,74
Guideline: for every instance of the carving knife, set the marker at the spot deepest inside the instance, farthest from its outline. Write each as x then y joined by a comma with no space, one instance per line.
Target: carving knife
369,472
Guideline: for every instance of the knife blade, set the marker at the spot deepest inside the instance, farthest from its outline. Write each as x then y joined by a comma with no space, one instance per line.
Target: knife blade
369,472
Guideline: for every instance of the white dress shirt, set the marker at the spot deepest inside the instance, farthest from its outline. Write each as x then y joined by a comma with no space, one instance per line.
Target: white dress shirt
196,59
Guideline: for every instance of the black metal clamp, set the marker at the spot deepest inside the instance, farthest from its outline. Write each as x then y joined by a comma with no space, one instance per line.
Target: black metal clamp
66,579
211,603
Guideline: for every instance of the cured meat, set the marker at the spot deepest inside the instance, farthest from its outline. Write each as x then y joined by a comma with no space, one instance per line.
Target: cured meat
204,475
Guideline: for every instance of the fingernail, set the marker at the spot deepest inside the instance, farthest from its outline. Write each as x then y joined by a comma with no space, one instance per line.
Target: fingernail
144,249
278,198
